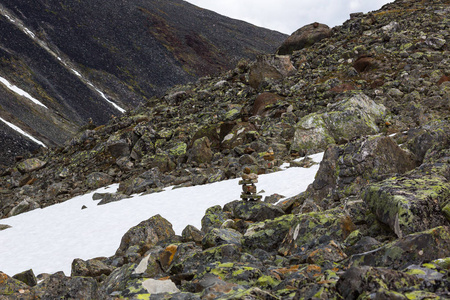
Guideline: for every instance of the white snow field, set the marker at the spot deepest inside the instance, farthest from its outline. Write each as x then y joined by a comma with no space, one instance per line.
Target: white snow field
48,240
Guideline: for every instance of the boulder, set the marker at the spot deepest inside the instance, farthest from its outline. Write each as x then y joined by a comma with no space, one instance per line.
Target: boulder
346,170
311,230
98,179
160,160
13,289
26,277
201,151
213,218
256,211
146,234
268,234
220,236
192,234
195,260
90,268
304,37
416,248
24,206
108,198
262,101
58,286
30,165
344,120
118,148
409,203
117,280
360,282
239,134
269,68
146,182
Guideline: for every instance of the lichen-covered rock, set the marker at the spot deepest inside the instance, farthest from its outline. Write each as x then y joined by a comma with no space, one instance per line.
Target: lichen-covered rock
310,230
23,206
268,234
235,272
26,277
345,170
146,182
146,234
108,198
219,236
90,268
415,248
200,151
344,120
360,282
256,211
118,279
192,234
270,68
409,203
118,148
98,179
30,165
304,37
238,135
213,218
14,289
160,160
195,260
58,286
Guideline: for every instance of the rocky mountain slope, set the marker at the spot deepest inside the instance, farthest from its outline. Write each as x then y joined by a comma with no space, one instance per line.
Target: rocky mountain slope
88,60
374,96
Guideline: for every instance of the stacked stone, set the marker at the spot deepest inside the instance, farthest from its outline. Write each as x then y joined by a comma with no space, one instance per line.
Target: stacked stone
248,186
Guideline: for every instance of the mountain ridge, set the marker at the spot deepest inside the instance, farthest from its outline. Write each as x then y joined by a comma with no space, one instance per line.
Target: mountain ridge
86,59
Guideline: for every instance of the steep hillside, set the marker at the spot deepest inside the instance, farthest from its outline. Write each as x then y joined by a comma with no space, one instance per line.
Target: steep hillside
374,96
88,60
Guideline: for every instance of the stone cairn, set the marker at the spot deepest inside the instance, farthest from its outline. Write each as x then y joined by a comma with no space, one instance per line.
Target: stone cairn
248,185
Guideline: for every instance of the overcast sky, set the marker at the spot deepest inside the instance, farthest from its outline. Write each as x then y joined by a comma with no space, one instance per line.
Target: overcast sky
289,15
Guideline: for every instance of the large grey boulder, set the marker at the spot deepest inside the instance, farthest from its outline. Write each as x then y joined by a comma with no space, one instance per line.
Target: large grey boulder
344,120
409,203
304,37
345,170
146,234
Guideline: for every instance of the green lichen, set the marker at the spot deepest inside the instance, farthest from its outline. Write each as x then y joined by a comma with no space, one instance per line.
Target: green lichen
267,282
179,149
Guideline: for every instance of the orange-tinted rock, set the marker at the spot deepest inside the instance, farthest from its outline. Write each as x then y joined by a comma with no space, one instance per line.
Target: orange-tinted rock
364,64
270,68
443,79
263,100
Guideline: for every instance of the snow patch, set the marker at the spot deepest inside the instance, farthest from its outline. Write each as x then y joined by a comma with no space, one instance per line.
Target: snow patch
48,240
20,92
23,133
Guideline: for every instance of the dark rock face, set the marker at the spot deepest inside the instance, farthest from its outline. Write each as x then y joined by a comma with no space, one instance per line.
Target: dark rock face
124,51
346,169
304,37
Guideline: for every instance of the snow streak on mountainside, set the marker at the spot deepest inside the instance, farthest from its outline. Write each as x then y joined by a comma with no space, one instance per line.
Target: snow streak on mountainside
88,61
23,133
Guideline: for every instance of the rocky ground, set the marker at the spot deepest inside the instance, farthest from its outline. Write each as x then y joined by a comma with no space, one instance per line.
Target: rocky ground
372,93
